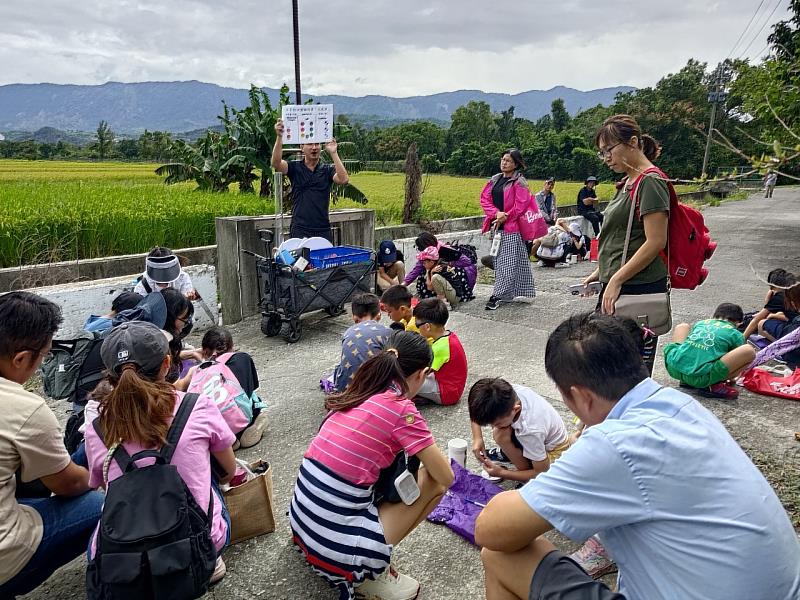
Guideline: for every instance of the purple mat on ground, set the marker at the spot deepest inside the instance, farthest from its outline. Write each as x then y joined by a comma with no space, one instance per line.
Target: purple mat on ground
463,502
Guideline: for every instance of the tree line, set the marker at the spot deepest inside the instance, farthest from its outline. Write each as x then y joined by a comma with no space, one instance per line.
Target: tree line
757,123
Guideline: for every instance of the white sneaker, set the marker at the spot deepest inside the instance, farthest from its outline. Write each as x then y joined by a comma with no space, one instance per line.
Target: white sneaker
253,434
389,585
219,571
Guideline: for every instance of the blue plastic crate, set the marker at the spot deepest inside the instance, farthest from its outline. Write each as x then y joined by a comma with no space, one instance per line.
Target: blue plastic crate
338,256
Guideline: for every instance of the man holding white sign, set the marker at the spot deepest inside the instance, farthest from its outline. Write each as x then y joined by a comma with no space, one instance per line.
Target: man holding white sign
311,182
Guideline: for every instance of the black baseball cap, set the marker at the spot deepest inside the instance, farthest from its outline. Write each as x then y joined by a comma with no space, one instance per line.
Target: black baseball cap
137,342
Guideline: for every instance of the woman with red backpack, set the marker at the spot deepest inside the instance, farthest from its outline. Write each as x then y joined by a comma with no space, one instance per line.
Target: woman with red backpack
635,232
636,222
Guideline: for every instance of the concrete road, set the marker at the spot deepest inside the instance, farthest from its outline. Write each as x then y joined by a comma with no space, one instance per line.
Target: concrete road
509,342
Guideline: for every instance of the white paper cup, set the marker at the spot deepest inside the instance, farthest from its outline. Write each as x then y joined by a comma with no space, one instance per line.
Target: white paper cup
457,450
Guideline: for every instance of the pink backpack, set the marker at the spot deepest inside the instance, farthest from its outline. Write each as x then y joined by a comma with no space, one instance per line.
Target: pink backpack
214,379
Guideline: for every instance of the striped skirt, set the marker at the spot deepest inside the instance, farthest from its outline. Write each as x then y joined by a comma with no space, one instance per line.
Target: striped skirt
335,525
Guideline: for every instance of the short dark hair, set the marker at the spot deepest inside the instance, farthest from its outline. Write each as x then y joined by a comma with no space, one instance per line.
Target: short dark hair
27,322
729,312
365,305
159,252
432,310
489,399
396,296
218,340
125,301
780,278
594,351
425,240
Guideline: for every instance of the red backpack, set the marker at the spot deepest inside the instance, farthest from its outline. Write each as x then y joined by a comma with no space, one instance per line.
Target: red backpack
689,244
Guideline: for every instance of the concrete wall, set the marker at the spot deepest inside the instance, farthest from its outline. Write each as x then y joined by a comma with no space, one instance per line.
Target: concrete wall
34,276
81,299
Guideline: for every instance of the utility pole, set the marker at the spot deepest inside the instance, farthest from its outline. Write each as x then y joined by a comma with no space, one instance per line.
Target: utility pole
296,27
715,97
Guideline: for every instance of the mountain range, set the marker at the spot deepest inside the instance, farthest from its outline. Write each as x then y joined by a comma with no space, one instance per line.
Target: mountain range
185,105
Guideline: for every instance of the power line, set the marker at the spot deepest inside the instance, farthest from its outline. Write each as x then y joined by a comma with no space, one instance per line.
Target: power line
741,35
777,4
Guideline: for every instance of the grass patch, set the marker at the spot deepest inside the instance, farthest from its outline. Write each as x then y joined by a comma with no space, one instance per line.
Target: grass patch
67,210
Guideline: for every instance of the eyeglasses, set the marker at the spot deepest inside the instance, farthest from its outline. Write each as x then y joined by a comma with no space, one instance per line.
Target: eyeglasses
421,323
38,352
604,154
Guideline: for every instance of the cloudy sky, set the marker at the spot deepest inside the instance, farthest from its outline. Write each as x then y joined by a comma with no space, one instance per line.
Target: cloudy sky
390,47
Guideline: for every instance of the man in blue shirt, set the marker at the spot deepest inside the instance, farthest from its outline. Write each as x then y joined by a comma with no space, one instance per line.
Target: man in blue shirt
311,185
677,503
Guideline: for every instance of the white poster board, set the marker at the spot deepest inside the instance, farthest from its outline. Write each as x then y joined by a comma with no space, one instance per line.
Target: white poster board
307,123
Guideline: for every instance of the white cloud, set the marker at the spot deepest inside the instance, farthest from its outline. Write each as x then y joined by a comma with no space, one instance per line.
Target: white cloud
376,47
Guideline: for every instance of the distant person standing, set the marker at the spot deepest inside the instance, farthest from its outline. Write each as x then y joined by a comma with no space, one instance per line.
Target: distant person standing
587,204
311,185
769,183
546,200
504,199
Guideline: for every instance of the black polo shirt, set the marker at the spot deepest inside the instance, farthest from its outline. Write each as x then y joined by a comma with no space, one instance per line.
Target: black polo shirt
311,197
584,193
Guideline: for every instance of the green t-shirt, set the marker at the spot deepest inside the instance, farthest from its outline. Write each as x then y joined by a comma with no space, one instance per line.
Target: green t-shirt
653,197
708,340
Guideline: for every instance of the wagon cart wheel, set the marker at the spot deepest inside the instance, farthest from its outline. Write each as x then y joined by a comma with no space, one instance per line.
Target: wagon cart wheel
293,331
334,311
271,324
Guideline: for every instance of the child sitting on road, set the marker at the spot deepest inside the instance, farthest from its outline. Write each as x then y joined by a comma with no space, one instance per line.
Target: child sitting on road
217,349
709,353
441,280
163,270
397,304
391,267
774,308
446,383
528,431
361,341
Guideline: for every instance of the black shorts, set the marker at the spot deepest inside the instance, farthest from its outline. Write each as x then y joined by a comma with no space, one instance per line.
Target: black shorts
558,577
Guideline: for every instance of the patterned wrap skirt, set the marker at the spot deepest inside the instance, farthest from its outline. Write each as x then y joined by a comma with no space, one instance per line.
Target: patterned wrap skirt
512,269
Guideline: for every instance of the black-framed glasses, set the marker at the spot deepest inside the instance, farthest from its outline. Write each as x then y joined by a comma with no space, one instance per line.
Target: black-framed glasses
421,323
603,154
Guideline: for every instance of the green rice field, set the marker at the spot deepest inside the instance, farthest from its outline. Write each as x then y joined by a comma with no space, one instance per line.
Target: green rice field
52,211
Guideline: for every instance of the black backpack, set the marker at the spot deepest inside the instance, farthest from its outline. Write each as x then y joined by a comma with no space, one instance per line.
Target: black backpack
153,541
74,367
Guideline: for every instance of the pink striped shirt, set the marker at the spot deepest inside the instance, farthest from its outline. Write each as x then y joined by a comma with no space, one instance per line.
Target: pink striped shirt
358,442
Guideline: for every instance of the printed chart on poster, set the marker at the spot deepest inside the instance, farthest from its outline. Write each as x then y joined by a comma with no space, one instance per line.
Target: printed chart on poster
307,123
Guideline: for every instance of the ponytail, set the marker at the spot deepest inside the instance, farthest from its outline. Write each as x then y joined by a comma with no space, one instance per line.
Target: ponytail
405,353
136,408
650,147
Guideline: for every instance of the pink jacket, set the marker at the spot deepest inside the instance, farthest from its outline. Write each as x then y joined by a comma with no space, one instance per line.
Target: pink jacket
516,200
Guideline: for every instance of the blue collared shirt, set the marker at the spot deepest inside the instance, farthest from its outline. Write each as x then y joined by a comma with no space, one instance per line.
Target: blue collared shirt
676,502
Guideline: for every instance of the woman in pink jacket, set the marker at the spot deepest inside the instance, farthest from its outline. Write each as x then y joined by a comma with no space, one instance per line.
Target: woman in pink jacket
504,200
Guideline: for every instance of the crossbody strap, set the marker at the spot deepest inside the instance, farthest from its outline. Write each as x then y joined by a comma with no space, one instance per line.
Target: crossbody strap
178,424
